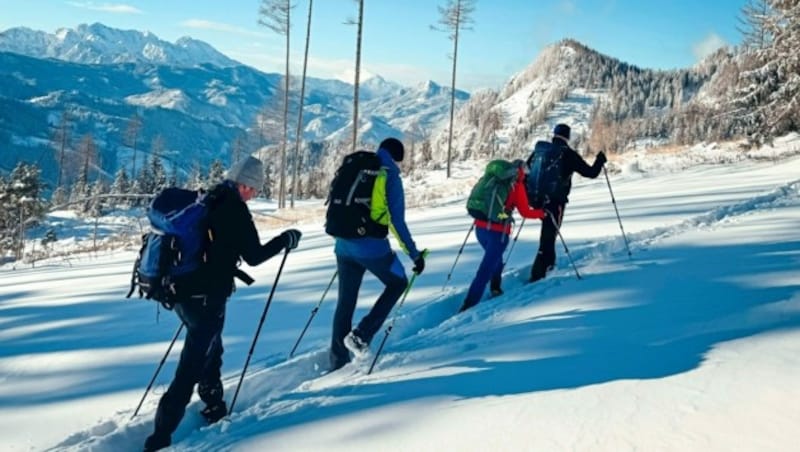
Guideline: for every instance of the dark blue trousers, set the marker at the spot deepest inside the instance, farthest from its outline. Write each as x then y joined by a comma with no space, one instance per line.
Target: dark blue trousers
491,267
200,364
390,272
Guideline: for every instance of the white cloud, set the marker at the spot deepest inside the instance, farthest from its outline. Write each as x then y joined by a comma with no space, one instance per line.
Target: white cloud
567,7
707,46
116,8
202,24
330,68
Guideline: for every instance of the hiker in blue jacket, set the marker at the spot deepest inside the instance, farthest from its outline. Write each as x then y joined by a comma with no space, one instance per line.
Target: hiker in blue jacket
373,253
234,237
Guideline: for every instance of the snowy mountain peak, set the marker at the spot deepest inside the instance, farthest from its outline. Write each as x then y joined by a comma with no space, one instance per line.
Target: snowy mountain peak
99,44
377,86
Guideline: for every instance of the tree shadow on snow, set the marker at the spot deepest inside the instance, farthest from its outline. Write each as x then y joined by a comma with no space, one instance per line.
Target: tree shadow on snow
690,299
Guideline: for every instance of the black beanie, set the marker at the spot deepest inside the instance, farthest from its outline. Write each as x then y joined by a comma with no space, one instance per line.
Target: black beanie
562,130
394,147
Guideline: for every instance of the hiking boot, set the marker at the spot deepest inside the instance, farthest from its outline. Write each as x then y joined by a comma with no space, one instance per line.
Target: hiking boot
337,362
355,344
156,442
535,278
496,292
214,413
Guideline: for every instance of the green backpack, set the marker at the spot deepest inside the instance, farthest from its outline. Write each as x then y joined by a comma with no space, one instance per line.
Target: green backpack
488,197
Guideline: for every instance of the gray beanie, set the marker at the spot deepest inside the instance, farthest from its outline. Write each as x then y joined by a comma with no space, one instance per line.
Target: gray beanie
249,171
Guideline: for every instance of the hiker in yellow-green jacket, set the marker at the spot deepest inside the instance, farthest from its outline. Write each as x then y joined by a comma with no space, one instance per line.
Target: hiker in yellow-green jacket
369,249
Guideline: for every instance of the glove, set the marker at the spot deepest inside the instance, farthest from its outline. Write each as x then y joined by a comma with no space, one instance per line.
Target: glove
540,214
419,263
291,238
601,157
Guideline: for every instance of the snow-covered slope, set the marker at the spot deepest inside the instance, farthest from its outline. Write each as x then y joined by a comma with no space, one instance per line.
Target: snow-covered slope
99,44
690,344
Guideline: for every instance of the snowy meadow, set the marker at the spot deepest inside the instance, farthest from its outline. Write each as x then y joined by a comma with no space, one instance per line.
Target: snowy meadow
691,343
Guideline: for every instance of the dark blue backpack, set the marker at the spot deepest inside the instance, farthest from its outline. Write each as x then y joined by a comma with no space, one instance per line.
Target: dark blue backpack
545,180
174,253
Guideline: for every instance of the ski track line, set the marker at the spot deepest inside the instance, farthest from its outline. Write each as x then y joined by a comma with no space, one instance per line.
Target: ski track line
423,325
436,317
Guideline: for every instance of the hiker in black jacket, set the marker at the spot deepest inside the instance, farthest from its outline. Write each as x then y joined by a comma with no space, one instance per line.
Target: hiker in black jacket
572,163
234,237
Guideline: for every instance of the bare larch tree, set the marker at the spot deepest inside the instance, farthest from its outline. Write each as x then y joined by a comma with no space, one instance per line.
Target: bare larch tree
276,15
454,17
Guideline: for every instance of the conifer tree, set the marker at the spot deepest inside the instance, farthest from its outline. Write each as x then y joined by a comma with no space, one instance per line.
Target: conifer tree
216,172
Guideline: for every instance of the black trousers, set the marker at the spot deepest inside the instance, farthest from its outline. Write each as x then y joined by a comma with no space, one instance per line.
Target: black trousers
546,256
200,364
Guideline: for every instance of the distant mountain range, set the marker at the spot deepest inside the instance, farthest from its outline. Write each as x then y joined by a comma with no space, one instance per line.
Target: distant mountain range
99,44
195,99
199,102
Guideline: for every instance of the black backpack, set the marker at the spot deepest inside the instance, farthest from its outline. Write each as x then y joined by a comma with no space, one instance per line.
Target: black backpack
350,198
545,180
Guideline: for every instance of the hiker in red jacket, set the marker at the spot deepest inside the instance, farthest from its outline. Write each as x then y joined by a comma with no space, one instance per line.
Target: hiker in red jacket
493,235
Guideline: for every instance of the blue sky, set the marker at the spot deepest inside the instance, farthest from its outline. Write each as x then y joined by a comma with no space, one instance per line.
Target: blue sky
398,42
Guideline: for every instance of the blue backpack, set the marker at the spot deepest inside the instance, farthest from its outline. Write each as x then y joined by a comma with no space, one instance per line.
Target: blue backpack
174,254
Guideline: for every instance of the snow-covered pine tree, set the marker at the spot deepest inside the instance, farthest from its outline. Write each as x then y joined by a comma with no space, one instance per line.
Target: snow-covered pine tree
60,196
216,172
158,174
121,186
97,204
768,93
266,189
22,202
145,179
80,189
196,180
136,189
752,25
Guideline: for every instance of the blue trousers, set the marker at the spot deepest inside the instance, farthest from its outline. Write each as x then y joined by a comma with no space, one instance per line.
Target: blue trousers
390,272
491,267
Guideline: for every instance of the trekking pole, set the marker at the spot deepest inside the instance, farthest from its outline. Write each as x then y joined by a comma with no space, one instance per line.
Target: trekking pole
158,369
614,201
258,330
391,324
313,313
394,318
460,250
558,231
516,236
